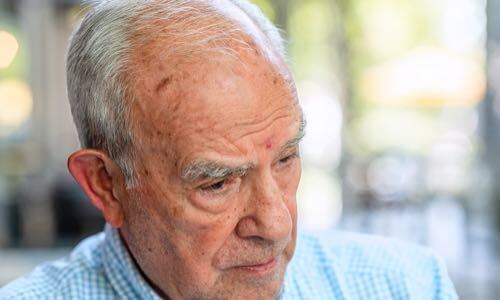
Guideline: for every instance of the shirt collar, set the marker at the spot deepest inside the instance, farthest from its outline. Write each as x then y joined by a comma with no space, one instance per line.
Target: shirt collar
121,269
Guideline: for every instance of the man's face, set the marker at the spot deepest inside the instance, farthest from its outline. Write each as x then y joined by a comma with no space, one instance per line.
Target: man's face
214,215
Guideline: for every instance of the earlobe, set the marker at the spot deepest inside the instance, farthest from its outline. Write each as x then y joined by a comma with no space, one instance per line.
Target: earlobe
92,170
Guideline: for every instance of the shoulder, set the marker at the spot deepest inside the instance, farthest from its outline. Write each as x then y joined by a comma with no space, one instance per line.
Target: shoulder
69,277
359,264
360,253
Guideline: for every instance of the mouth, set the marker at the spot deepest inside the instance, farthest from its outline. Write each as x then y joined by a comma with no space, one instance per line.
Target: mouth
261,268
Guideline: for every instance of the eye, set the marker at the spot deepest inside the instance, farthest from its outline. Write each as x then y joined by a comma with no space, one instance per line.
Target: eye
220,187
214,186
288,158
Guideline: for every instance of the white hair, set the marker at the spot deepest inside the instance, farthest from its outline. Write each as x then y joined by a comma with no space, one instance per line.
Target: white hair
100,57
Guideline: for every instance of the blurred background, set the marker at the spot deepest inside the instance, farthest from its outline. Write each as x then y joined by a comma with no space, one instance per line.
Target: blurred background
403,107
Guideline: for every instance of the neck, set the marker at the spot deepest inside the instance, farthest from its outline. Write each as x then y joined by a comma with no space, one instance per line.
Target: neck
153,286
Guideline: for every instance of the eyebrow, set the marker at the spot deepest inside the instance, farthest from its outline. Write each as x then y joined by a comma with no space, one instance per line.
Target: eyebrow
213,169
298,137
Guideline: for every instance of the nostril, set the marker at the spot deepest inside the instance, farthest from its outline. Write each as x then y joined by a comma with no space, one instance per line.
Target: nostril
247,227
267,218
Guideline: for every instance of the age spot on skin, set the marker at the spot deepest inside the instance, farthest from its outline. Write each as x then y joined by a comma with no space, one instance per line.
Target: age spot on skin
176,106
165,82
177,211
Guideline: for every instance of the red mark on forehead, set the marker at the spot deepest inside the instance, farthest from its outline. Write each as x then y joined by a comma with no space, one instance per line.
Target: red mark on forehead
269,144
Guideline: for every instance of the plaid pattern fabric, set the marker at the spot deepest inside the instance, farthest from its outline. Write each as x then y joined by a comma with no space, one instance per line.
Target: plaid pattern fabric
337,265
327,266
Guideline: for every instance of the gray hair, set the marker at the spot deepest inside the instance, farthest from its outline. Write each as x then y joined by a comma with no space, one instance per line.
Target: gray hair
100,55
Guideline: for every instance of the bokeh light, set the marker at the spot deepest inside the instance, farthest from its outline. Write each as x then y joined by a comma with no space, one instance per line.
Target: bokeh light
426,77
16,105
8,49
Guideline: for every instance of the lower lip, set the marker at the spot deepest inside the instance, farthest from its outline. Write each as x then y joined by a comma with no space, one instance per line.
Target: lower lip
263,268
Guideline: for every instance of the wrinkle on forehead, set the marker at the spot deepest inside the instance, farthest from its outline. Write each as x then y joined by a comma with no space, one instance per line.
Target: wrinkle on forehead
171,91
180,98
260,125
228,33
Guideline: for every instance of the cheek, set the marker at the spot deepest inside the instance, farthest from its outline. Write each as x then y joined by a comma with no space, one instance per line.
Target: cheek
214,205
289,185
196,251
189,229
199,236
184,246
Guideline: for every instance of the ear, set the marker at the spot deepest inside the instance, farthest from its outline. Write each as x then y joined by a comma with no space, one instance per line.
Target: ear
101,179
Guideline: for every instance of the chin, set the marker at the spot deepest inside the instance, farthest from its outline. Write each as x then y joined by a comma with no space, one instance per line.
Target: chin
265,287
248,286
264,292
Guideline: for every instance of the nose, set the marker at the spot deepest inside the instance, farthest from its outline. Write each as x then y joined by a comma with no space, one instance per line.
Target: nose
268,216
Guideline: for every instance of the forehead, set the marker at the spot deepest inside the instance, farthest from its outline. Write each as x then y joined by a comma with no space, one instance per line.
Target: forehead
213,98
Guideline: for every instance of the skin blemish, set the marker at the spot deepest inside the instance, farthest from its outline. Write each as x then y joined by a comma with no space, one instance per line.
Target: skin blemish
175,107
177,211
269,144
164,83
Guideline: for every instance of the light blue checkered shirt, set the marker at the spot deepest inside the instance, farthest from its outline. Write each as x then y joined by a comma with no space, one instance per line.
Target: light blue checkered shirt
327,266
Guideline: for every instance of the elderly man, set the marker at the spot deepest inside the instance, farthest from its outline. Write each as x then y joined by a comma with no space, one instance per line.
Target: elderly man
189,122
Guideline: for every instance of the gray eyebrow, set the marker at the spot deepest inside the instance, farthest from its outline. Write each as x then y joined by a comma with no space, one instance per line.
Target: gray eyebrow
213,170
299,136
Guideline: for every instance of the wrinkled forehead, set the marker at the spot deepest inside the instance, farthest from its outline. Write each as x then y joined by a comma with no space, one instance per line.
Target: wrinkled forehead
163,92
173,58
212,98
219,33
